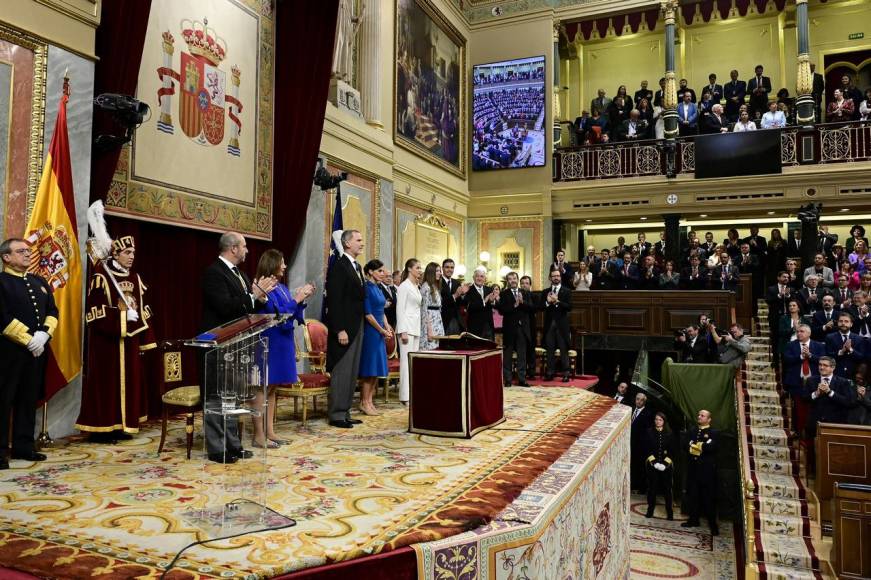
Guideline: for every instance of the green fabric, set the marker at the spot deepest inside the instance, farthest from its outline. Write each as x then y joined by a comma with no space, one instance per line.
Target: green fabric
696,387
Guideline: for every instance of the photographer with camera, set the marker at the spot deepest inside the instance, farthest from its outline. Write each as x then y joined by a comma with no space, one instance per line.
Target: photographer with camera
732,346
692,346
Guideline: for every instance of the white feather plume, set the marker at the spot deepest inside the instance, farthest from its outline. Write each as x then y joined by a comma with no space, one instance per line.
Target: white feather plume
100,242
337,240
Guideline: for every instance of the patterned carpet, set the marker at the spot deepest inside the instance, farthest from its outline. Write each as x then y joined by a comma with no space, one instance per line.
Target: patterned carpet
111,512
663,549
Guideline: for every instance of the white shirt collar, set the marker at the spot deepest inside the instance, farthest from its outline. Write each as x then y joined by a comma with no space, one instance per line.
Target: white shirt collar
229,264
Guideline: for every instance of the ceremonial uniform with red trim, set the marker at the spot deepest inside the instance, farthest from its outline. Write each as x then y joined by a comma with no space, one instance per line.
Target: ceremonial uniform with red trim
114,395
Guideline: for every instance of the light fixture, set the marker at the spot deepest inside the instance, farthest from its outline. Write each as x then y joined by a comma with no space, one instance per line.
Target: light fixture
703,215
845,209
503,271
460,270
770,212
484,256
643,218
588,220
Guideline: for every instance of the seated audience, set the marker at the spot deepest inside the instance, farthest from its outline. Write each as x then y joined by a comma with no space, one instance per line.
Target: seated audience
632,128
774,118
744,123
715,122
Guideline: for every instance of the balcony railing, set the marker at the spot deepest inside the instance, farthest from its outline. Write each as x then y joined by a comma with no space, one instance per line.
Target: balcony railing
822,144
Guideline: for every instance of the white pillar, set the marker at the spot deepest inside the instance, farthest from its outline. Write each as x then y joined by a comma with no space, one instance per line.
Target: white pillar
370,59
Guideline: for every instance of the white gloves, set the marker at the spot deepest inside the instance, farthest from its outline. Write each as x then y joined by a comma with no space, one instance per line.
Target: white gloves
659,466
38,352
132,315
38,341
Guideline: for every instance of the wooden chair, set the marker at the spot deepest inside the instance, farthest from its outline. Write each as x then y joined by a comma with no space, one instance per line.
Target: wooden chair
541,358
174,393
392,347
316,382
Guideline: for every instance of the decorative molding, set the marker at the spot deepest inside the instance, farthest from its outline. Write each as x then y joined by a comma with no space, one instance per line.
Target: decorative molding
86,11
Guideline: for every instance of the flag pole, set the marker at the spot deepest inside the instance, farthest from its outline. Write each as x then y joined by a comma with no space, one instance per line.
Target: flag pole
44,440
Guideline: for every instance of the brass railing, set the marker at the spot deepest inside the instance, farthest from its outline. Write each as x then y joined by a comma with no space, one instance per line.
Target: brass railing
825,143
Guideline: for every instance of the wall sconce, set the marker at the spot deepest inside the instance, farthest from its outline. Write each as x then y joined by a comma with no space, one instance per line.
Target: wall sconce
485,256
460,271
503,271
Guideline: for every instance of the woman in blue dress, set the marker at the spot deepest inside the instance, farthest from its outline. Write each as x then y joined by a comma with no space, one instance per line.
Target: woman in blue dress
282,349
373,359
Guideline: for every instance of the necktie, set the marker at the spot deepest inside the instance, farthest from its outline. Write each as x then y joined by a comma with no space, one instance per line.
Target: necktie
241,279
843,295
359,271
515,295
798,243
554,289
805,363
635,414
825,381
844,339
480,291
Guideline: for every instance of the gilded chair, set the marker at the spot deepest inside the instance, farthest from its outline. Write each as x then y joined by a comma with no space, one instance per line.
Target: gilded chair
175,394
316,382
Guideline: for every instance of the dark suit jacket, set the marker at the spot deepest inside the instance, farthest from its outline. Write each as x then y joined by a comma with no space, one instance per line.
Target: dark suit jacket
557,313
829,409
739,90
696,353
480,317
345,296
836,292
711,124
390,311
859,322
846,363
731,279
819,88
651,283
776,304
750,266
451,307
643,94
792,363
716,94
698,283
638,430
224,299
792,249
752,86
605,275
808,304
627,281
818,323
761,245
681,91
515,318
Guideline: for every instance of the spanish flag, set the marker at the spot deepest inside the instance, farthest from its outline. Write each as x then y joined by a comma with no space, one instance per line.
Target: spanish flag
53,237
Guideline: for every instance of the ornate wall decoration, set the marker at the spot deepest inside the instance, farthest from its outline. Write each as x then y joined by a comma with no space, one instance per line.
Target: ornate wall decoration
23,64
204,157
430,86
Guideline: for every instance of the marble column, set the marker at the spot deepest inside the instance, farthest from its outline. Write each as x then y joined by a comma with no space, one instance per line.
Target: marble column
370,59
672,237
804,103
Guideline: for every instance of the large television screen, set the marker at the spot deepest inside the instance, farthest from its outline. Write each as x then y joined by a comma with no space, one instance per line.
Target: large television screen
737,154
508,121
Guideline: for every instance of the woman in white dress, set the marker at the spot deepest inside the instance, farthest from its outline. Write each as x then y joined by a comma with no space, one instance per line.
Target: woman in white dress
431,307
583,277
408,321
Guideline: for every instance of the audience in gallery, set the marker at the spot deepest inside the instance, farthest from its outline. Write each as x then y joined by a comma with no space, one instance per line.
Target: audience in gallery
755,97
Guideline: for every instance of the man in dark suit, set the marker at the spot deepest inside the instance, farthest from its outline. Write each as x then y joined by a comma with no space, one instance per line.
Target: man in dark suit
759,87
811,296
725,276
734,93
819,89
683,88
532,311
693,347
830,396
514,307
701,483
695,276
642,420
824,321
621,396
861,314
557,303
715,122
567,273
846,347
713,88
452,298
642,246
800,362
605,272
480,300
648,274
643,93
600,103
843,295
660,245
757,243
346,292
793,246
227,295
825,242
389,293
627,275
657,97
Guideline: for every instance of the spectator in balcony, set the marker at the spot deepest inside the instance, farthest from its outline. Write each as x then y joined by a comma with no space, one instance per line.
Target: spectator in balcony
617,113
631,129
726,275
715,122
642,245
643,93
821,271
838,258
627,99
787,113
783,97
597,131
819,89
858,255
830,396
687,115
857,233
759,87
567,273
800,362
851,93
757,243
865,107
620,248
605,272
732,243
845,346
669,279
744,123
775,256
580,127
695,276
793,249
794,278
645,115
734,93
583,278
843,293
860,414
648,274
693,249
714,259
825,242
812,295
823,321
683,89
861,314
705,106
627,276
773,119
865,281
591,258
787,325
657,97
840,109
709,244
600,103
715,89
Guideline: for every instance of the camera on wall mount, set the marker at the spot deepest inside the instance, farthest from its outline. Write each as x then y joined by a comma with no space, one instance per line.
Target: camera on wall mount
326,180
127,112
810,213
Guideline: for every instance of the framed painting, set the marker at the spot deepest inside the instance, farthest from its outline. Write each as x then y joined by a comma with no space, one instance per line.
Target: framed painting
204,157
429,91
23,62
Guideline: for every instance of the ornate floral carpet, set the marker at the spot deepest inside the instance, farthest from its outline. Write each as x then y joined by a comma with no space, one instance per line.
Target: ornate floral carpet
663,549
111,512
